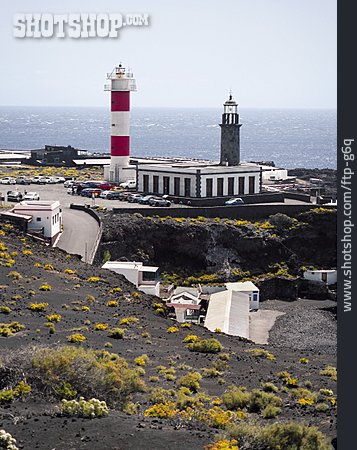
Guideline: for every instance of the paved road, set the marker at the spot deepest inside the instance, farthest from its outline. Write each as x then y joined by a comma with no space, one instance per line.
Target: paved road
79,233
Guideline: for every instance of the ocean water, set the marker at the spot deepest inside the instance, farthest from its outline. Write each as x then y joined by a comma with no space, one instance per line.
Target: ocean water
289,137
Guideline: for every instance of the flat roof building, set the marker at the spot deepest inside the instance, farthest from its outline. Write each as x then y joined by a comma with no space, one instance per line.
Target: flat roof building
228,311
248,288
46,217
145,278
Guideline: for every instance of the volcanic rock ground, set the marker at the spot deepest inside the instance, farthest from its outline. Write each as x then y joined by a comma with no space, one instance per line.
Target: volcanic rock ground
306,330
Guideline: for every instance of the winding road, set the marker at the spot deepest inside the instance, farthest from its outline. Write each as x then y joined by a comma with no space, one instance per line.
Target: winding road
79,233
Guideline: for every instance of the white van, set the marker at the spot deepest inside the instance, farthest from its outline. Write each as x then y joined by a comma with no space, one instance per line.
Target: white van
130,184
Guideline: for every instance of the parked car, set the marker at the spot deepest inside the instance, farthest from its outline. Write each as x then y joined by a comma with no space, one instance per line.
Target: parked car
59,179
89,192
23,180
159,201
107,185
68,183
124,195
145,199
49,180
8,180
134,198
31,196
87,185
38,180
237,201
14,196
130,184
117,188
104,194
113,195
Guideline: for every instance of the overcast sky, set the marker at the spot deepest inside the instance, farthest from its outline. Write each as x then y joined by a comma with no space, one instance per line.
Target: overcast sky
271,53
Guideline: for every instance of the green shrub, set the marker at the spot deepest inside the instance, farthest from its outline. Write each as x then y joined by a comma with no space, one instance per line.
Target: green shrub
54,317
76,338
236,397
7,329
322,407
261,353
8,395
69,271
116,333
5,310
112,303
160,395
269,387
93,279
289,436
211,372
89,409
101,326
37,306
114,290
141,360
45,287
329,371
128,320
161,410
283,375
191,380
65,391
205,346
191,338
89,372
326,392
15,275
270,412
258,400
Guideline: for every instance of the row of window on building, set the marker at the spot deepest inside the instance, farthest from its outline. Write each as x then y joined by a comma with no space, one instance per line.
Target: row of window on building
187,188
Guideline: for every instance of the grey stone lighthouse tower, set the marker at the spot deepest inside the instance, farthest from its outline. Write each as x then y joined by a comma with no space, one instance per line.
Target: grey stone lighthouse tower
230,134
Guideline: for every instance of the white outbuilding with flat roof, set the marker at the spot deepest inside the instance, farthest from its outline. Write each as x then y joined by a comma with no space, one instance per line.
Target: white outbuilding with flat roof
248,288
145,278
46,217
228,311
326,276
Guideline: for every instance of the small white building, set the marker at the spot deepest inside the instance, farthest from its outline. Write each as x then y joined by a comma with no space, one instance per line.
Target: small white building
186,306
270,173
248,288
145,278
46,217
326,276
228,311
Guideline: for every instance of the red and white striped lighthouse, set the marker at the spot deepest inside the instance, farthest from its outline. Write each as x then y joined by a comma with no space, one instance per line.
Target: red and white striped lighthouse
121,84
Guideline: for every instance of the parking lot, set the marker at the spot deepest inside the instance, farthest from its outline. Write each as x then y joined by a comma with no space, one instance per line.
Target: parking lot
59,192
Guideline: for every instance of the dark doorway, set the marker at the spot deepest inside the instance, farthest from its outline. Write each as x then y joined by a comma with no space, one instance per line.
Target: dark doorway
209,187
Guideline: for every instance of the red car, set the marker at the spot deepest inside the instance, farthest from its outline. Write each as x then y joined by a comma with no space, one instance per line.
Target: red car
106,186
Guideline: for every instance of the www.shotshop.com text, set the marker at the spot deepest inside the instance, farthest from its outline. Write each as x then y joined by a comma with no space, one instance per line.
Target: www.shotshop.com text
346,185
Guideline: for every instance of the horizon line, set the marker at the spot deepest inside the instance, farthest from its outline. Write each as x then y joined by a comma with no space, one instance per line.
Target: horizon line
171,107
